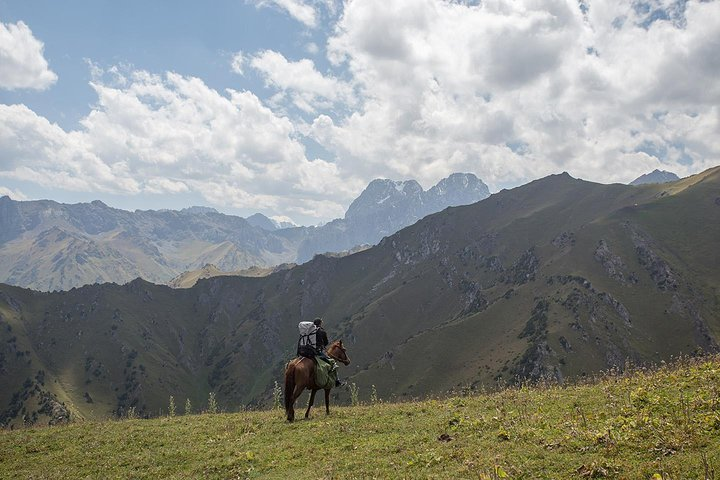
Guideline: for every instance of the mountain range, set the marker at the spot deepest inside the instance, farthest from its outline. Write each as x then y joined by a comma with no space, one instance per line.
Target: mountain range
559,278
48,246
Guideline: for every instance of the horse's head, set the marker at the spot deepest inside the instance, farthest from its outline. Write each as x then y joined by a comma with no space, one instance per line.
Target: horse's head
337,351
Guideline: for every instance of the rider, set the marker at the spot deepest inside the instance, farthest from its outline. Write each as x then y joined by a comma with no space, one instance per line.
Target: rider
321,342
321,339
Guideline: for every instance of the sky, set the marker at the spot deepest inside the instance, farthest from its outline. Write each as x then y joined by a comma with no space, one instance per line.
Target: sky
291,107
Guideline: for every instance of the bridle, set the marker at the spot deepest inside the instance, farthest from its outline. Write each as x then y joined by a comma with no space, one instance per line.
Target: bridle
345,362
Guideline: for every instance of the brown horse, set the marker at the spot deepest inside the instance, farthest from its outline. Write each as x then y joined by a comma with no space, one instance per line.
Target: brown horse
300,374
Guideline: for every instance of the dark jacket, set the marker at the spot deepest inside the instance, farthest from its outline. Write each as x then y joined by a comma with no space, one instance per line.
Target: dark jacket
321,340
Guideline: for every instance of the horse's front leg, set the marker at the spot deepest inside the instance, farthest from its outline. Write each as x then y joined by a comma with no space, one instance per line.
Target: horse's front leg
310,403
327,401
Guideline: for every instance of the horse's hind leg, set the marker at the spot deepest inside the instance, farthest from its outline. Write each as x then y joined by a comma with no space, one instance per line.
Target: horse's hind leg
296,393
310,403
327,401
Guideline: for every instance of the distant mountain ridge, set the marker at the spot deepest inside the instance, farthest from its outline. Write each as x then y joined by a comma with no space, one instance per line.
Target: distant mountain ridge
47,245
656,176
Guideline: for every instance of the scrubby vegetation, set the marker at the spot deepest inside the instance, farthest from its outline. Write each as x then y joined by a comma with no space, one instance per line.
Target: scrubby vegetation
662,423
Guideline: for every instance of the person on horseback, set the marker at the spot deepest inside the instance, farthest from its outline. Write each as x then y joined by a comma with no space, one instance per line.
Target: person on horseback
321,343
321,339
302,373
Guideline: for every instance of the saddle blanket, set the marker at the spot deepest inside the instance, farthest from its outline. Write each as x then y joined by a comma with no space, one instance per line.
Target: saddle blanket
325,373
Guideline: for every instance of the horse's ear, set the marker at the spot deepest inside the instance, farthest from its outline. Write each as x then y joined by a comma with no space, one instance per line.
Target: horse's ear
340,343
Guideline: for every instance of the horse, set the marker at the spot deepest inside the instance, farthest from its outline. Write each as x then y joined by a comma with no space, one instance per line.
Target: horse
300,374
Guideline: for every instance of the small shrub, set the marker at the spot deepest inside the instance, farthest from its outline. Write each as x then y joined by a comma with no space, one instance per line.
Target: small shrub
354,394
374,396
212,403
171,407
277,394
131,413
188,407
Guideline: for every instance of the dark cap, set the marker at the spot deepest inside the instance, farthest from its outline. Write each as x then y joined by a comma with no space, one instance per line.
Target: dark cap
318,321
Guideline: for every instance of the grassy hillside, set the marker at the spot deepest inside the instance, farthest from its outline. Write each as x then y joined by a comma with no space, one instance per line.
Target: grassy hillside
661,424
559,278
190,278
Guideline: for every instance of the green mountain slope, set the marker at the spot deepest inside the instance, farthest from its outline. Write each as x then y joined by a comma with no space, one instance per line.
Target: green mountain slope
557,278
662,424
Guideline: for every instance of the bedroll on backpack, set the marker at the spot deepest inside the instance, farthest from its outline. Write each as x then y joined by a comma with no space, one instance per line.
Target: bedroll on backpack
307,340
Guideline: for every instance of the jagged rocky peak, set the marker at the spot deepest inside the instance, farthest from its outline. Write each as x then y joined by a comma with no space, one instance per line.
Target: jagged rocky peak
198,210
382,193
460,181
656,176
459,189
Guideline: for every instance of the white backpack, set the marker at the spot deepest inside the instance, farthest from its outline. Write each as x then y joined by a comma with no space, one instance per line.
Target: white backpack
308,338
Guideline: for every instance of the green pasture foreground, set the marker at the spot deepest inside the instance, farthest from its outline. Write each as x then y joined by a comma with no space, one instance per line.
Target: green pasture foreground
662,424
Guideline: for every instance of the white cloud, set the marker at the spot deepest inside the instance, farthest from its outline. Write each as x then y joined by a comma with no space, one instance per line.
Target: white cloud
237,63
282,219
37,151
298,9
511,91
22,60
165,185
517,90
14,194
173,134
312,48
307,87
308,12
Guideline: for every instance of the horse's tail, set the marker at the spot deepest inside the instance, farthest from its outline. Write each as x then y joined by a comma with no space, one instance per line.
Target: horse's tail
289,385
